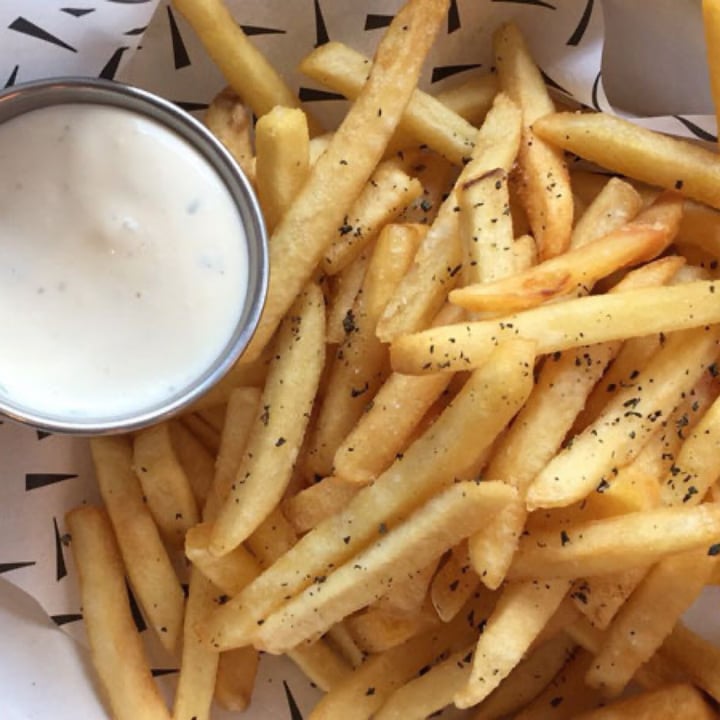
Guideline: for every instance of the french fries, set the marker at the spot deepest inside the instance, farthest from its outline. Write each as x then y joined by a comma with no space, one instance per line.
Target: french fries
275,441
544,184
309,224
636,152
560,326
470,456
117,651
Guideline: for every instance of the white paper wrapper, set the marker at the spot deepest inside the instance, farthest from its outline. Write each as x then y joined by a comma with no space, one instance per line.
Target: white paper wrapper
611,55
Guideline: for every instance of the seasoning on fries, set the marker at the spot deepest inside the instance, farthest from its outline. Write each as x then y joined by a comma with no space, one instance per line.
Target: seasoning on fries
471,456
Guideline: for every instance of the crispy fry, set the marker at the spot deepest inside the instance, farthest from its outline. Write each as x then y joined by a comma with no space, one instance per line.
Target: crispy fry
282,160
365,690
235,678
615,205
360,363
696,657
117,651
528,679
560,326
309,225
165,484
439,259
472,98
519,616
242,410
674,701
243,65
278,432
576,271
230,122
566,695
425,120
387,425
454,583
648,617
608,546
197,462
345,288
148,565
318,501
544,183
390,191
426,534
199,664
626,423
631,150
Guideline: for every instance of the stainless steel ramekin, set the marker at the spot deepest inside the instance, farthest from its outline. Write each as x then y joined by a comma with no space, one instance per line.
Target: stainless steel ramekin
31,96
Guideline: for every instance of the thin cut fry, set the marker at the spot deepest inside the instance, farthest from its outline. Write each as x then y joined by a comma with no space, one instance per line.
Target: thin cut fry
235,678
243,65
365,690
438,262
528,679
282,160
631,150
338,176
165,485
520,614
616,204
472,98
275,440
648,617
559,326
360,362
425,120
390,191
668,703
230,122
695,656
198,665
544,184
117,651
627,422
578,269
149,567
388,423
608,546
454,583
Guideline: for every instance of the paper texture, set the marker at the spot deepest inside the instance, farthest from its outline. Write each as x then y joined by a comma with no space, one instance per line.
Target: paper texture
653,68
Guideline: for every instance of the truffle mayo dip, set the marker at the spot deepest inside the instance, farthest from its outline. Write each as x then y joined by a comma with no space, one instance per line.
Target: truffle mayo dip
123,262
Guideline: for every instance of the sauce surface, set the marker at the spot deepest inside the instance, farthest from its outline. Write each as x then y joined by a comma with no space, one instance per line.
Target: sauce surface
123,262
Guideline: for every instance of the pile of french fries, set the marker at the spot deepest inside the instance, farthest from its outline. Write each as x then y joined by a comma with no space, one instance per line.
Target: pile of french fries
471,455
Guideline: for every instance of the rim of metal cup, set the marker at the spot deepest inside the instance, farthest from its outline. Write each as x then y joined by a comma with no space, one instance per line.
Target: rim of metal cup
24,98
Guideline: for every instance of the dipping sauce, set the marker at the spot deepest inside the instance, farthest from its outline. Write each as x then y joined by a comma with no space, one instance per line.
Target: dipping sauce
123,262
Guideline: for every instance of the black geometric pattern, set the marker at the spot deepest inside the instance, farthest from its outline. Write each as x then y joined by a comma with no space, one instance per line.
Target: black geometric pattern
375,22
111,66
24,26
10,566
441,72
321,33
582,26
60,567
33,481
251,30
66,619
295,713
180,53
453,20
77,12
12,79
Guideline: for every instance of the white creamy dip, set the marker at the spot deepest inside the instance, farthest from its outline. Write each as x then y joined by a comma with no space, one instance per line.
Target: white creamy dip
123,262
